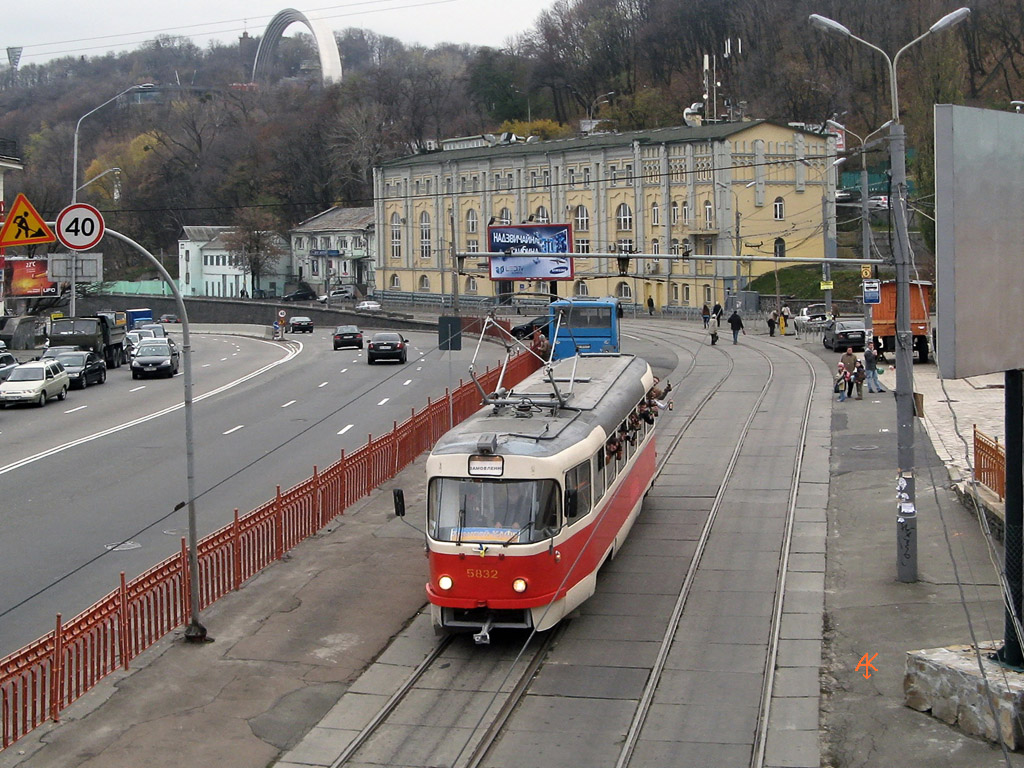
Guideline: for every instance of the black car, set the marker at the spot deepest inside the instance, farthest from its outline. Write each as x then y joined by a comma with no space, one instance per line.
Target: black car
348,336
386,345
84,368
300,325
52,352
303,294
155,357
525,330
8,363
840,334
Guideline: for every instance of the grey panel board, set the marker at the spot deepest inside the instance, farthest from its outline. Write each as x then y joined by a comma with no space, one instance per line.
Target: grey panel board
320,747
799,653
456,709
710,721
797,681
470,675
807,562
740,630
798,713
805,581
618,653
756,481
530,749
806,542
670,531
689,686
628,604
793,749
726,556
585,628
655,546
650,574
731,603
675,507
804,602
765,523
408,745
355,710
381,678
557,714
601,682
801,626
673,754
728,581
718,657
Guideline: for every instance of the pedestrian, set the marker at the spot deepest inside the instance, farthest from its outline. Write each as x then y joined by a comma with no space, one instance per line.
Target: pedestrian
871,369
842,382
736,323
784,319
244,294
718,311
773,318
705,314
714,336
858,379
650,306
849,359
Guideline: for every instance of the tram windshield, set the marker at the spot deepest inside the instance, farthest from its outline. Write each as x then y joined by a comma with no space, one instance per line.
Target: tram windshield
493,511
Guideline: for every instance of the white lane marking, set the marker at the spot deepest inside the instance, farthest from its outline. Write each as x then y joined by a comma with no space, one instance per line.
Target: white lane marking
630,336
383,401
290,352
321,385
407,382
345,429
77,409
223,359
136,389
290,402
207,365
343,370
420,368
233,429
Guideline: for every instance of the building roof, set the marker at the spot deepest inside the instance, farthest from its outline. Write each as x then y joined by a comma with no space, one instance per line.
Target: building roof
335,219
202,234
595,141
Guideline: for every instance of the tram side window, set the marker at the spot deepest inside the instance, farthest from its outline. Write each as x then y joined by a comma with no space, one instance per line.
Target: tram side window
599,475
578,479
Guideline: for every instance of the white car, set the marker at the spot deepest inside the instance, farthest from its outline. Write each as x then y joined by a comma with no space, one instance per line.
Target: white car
35,382
368,306
878,202
337,295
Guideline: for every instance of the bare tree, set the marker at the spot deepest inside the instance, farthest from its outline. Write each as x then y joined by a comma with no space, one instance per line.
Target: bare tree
253,244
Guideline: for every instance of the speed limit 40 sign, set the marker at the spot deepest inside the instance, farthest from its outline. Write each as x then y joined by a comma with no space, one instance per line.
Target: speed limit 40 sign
80,227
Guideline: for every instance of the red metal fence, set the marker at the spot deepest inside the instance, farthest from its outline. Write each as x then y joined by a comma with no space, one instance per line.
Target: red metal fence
990,463
43,678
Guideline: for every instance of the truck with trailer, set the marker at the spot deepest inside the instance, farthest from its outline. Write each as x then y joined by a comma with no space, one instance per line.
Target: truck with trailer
138,317
883,318
97,333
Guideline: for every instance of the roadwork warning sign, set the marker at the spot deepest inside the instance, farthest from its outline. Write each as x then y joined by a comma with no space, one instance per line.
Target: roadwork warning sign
24,226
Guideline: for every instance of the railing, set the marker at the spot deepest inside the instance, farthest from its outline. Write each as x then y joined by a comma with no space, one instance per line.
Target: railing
45,677
989,463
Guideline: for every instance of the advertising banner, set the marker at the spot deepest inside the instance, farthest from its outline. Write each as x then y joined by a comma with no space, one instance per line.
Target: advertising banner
530,251
28,277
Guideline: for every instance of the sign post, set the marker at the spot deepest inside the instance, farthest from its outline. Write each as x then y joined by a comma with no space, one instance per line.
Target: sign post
79,227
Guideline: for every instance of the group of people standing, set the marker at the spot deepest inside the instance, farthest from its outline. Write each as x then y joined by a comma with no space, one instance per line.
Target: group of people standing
780,318
851,372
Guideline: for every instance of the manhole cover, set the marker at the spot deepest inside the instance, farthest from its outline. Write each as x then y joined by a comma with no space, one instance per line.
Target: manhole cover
124,545
864,448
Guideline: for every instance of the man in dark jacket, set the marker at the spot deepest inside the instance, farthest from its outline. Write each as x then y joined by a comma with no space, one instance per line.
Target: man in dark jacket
717,311
736,323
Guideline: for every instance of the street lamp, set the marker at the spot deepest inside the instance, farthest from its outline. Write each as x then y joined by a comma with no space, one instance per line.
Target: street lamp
117,184
596,102
74,177
906,519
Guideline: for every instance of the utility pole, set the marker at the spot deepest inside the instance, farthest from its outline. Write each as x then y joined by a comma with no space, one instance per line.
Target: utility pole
828,223
455,266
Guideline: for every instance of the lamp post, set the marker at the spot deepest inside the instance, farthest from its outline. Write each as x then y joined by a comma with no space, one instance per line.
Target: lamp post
117,184
74,178
906,518
596,102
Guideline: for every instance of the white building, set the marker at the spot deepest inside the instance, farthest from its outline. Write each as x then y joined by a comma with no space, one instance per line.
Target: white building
335,248
206,268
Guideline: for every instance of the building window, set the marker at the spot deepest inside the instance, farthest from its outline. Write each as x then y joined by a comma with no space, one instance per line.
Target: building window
687,247
298,243
623,291
533,179
582,218
508,179
586,176
629,174
472,220
396,283
709,215
655,247
582,246
686,294
473,246
623,217
624,245
655,214
471,285
613,172
580,289
547,177
572,177
505,217
707,293
542,217
314,267
780,248
779,209
424,235
708,245
685,212
476,183
396,236
424,283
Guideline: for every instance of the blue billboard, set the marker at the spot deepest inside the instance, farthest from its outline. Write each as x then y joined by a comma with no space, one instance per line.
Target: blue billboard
529,251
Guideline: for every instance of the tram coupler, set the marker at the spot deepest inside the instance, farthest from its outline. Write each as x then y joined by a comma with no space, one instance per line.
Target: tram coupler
483,637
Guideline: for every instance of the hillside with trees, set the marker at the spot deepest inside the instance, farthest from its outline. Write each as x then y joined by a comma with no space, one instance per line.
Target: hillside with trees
203,145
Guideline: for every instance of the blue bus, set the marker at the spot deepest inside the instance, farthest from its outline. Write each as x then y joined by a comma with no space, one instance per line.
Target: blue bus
584,325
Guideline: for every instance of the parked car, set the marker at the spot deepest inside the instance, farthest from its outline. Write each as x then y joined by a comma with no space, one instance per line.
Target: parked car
299,324
386,345
303,294
878,203
525,330
158,330
8,363
338,294
52,352
84,368
169,319
840,334
368,306
35,382
155,357
348,336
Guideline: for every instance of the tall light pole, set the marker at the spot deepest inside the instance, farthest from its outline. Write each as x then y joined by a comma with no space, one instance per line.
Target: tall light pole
596,102
906,516
74,178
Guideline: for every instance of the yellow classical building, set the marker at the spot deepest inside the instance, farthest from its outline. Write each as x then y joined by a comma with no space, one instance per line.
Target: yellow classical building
667,196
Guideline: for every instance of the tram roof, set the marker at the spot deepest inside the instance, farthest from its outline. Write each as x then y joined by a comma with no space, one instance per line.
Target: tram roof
605,389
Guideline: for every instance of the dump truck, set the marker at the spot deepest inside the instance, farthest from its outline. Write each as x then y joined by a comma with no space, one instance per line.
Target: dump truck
97,333
883,317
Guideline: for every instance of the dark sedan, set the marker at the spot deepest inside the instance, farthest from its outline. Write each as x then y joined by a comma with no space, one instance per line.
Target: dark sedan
386,345
155,357
303,294
8,363
525,330
840,334
348,336
300,325
84,368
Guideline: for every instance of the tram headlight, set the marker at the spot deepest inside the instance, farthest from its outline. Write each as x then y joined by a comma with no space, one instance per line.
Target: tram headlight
445,583
519,585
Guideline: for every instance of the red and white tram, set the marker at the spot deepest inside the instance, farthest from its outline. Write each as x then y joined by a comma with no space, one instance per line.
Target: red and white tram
528,497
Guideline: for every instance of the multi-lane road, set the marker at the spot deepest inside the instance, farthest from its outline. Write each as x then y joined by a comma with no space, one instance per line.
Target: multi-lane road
93,486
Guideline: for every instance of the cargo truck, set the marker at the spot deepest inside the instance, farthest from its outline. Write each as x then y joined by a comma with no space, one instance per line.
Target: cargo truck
138,317
883,317
98,334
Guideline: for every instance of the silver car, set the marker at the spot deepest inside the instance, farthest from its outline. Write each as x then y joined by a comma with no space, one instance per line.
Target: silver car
35,382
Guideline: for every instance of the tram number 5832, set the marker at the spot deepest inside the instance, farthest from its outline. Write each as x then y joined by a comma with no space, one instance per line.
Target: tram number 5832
481,573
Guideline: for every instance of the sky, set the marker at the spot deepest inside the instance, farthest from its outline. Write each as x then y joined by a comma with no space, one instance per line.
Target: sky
52,28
